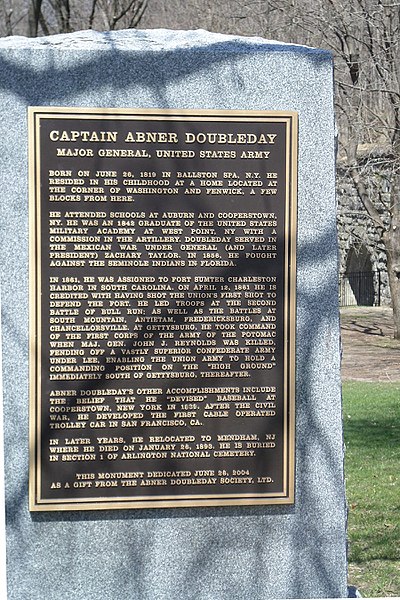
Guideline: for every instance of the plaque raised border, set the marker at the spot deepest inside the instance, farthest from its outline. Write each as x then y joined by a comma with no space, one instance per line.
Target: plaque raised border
40,156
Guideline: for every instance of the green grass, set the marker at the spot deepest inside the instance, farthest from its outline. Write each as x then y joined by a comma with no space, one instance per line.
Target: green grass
371,415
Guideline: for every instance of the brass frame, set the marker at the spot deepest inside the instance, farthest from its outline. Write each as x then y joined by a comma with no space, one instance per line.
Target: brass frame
35,114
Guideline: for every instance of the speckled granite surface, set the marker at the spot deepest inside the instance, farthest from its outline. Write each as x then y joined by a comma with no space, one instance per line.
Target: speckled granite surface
204,554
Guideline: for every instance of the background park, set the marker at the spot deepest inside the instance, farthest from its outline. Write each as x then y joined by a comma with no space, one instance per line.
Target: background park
363,36
371,418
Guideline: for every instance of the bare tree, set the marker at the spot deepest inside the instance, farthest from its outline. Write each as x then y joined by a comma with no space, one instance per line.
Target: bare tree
62,12
45,17
34,13
6,11
118,14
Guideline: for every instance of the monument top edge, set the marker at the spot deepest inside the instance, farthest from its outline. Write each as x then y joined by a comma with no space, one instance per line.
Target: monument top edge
152,40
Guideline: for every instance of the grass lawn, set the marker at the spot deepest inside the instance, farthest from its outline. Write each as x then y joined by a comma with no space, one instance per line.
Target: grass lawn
371,415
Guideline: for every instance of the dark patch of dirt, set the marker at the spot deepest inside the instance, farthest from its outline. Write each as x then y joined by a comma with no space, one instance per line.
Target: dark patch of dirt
370,353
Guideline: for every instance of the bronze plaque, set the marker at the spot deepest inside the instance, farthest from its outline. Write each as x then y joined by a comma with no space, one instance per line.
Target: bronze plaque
162,308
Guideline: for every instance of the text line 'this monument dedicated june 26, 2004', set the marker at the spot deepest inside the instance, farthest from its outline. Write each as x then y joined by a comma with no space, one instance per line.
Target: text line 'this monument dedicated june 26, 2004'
162,308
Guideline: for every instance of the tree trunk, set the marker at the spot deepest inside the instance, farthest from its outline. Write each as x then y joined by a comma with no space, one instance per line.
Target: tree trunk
391,239
7,10
393,267
34,17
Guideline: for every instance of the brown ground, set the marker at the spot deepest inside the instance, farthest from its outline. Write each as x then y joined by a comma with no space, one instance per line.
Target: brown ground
369,351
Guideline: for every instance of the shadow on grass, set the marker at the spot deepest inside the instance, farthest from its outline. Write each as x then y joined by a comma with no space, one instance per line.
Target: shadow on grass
375,546
372,434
